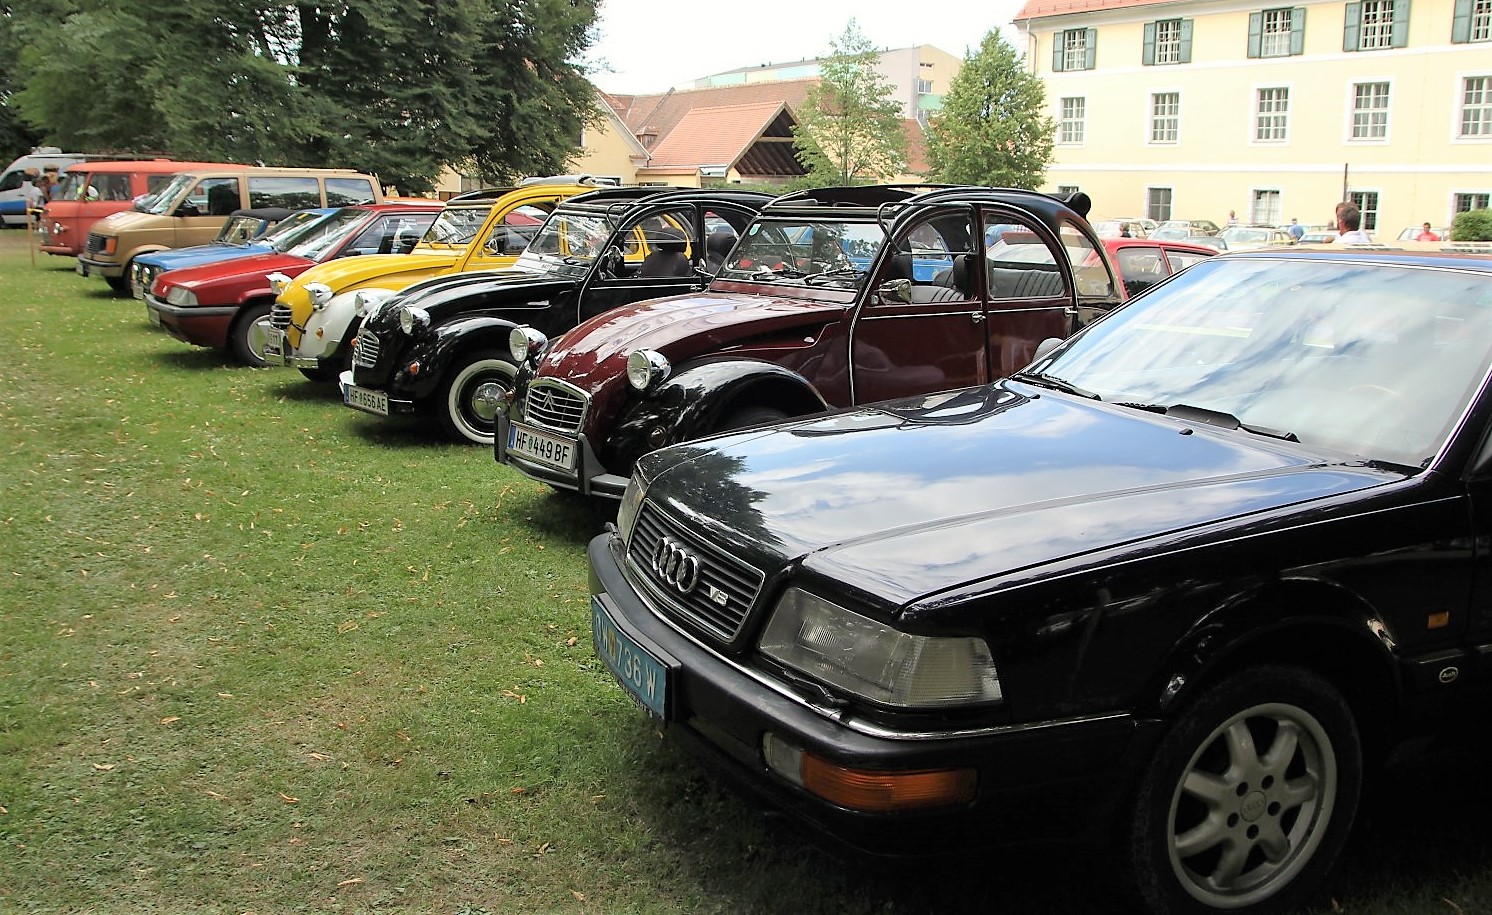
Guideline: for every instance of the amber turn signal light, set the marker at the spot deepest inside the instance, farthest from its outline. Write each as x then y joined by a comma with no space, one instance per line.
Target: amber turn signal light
860,789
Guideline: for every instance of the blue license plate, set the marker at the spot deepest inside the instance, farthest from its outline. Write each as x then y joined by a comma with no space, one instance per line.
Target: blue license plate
640,673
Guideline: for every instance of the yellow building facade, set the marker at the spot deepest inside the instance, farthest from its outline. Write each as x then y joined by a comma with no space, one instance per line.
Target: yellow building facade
1192,109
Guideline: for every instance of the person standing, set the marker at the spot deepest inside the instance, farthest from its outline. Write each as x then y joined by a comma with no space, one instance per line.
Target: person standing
1297,231
1426,235
1232,218
1349,225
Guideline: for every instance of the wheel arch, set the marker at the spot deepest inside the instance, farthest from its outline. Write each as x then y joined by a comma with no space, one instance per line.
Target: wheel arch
703,393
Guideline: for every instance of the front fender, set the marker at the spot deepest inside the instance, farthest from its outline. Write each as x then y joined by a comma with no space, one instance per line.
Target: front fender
695,400
444,345
336,323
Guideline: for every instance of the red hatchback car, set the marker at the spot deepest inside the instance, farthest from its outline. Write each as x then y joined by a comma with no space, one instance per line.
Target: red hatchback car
217,305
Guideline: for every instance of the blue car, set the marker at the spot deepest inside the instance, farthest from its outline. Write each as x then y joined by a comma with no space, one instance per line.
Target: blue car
247,232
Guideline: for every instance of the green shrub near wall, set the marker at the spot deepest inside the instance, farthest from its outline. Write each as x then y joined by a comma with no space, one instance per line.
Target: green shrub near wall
1472,225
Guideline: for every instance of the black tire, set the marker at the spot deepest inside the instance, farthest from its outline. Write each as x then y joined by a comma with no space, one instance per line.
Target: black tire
239,334
468,400
744,417
1219,826
121,284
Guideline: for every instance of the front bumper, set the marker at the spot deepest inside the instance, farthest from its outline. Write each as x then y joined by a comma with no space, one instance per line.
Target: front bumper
372,400
87,266
203,325
1041,783
589,477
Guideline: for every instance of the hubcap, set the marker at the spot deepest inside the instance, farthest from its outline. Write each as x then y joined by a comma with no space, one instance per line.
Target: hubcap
1252,805
487,399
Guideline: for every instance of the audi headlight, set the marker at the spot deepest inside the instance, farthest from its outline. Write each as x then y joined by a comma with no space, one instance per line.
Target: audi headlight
626,513
524,342
278,282
180,295
413,320
646,368
320,294
368,300
873,660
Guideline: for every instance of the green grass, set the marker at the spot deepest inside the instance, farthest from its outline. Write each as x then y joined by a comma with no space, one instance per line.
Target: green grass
261,653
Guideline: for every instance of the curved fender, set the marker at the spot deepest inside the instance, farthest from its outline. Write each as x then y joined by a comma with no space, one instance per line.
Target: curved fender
692,402
436,352
249,296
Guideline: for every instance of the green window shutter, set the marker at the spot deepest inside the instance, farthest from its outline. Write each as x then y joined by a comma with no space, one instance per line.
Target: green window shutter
1057,43
1461,22
1256,32
1400,36
1297,30
1149,55
1185,51
1092,58
1352,21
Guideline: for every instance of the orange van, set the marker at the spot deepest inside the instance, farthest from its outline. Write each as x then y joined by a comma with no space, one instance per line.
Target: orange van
92,190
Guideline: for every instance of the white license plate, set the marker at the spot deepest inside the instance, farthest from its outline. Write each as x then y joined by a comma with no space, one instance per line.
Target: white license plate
153,315
538,446
274,342
82,268
364,399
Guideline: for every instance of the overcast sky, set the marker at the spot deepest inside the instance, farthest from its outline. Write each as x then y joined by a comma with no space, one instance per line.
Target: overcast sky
649,47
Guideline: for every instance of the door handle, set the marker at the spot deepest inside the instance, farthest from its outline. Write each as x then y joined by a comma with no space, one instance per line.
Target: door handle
977,317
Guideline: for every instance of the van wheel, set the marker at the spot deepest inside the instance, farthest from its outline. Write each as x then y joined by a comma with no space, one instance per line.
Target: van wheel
121,284
750,416
479,386
1249,797
240,335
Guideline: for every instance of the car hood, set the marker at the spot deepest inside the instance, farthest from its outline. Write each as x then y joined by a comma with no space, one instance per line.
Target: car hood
910,498
197,255
679,327
398,270
124,221
443,296
243,269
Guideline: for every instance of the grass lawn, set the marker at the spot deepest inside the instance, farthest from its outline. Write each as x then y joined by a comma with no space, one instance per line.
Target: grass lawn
259,653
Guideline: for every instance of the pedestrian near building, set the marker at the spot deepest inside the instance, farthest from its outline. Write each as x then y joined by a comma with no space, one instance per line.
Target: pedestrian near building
1426,235
1349,225
1297,231
1232,218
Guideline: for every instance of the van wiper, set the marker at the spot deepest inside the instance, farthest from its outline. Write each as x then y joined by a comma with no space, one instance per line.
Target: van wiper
1042,379
1213,418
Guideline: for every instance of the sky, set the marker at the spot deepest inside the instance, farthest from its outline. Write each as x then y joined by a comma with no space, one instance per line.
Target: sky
649,47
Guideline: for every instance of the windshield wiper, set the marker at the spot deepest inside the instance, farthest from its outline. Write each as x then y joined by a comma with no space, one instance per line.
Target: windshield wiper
1057,384
1212,418
837,273
791,273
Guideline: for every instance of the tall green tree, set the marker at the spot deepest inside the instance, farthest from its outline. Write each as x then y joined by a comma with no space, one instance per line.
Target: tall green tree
850,129
993,128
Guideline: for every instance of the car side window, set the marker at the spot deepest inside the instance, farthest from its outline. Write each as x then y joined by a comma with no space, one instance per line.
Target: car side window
1089,268
1180,260
935,255
346,192
1018,262
515,230
289,192
213,197
1141,268
668,244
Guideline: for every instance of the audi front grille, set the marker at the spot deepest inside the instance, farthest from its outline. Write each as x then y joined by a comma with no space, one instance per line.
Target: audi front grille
691,579
555,405
365,355
279,316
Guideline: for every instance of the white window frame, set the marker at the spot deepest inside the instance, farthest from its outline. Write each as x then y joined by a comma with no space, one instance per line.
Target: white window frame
1152,119
1376,33
1458,113
1259,114
1352,111
1481,192
1269,39
1481,21
1074,49
1063,120
1279,205
1167,41
924,87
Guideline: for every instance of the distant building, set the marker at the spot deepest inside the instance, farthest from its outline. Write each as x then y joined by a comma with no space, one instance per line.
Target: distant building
1193,108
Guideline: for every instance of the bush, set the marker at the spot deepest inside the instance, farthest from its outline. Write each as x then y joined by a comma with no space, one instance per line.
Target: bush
1472,225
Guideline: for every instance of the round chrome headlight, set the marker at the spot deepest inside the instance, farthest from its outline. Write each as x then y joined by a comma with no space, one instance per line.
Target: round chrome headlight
646,368
320,294
278,282
368,300
525,341
413,320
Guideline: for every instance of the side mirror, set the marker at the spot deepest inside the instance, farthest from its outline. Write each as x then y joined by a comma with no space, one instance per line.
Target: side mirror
896,291
1044,348
188,209
611,261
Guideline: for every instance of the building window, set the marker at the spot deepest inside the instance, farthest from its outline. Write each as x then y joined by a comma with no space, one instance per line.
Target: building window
1374,24
1266,208
924,87
1165,117
1473,201
1476,106
1472,21
1277,33
1367,201
1158,203
1075,49
1370,111
1074,113
1168,41
1272,115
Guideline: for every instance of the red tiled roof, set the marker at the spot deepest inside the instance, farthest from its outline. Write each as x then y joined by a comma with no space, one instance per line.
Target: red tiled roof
1035,9
714,136
659,115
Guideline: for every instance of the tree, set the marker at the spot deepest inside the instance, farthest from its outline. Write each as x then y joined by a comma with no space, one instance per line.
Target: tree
992,129
850,128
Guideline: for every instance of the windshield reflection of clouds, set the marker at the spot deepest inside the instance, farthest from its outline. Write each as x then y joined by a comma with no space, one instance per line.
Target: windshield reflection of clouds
805,252
1368,360
578,236
329,234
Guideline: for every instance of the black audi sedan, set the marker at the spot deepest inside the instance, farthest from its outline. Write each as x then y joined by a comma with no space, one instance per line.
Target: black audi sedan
1172,588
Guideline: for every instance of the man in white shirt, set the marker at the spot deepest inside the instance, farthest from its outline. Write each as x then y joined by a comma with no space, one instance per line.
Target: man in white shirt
1349,222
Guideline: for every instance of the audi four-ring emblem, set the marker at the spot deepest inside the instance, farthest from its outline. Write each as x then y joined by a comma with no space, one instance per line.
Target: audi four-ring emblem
675,564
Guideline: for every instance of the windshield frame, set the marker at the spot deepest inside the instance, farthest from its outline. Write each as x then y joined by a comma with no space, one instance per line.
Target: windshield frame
328,234
844,266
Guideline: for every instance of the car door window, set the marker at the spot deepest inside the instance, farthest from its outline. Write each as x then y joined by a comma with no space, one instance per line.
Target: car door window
668,242
511,235
1140,268
346,192
934,256
1018,262
213,197
1180,260
289,192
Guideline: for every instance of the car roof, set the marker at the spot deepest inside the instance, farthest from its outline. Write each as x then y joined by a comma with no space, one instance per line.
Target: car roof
625,197
1169,244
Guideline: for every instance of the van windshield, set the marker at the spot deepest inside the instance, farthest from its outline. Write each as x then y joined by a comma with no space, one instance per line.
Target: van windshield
160,203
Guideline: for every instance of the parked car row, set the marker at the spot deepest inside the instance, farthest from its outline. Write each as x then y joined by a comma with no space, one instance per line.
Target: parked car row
944,525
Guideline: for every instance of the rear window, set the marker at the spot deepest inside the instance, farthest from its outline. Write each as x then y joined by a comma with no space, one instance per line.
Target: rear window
344,192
